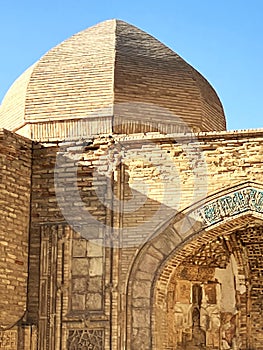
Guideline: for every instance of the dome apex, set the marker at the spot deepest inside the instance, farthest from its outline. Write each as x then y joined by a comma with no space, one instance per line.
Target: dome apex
113,62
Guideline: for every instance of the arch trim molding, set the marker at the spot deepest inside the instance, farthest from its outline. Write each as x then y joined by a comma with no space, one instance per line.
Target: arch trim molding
219,212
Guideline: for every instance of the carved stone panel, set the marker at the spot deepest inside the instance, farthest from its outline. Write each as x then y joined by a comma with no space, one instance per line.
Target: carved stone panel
86,275
8,340
83,339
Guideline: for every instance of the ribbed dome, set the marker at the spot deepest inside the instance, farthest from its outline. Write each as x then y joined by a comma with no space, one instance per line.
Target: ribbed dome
110,64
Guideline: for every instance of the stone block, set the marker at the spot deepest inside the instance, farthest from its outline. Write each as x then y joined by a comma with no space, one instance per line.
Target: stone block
79,284
78,302
80,266
95,284
93,301
94,250
79,248
96,267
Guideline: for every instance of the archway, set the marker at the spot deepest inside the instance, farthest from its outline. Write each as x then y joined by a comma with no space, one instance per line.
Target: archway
207,298
156,267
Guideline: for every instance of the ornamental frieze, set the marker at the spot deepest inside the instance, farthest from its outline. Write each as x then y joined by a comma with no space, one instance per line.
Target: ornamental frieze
248,199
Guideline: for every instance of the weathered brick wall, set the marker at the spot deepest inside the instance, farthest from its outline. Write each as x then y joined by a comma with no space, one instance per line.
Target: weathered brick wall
229,159
85,266
15,174
252,242
43,209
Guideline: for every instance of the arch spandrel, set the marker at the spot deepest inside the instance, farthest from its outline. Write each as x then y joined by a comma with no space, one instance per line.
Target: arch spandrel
155,263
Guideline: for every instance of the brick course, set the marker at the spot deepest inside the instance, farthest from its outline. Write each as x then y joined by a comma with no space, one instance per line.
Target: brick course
15,173
109,70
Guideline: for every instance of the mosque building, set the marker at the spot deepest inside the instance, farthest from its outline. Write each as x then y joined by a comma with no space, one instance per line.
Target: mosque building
131,219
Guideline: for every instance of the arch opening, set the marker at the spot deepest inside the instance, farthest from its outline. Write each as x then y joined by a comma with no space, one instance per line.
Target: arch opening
198,283
212,298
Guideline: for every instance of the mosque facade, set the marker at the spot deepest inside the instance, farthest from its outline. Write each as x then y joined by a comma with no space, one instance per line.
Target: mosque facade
131,218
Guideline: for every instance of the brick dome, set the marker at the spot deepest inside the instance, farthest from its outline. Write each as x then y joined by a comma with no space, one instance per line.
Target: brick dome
81,83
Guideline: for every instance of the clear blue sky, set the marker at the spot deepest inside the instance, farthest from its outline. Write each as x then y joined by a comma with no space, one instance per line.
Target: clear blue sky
222,39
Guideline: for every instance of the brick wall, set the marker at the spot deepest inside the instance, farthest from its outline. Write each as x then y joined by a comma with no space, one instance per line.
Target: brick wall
229,159
85,266
15,174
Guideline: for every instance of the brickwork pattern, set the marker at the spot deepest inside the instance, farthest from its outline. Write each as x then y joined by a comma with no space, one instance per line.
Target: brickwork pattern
15,174
226,156
253,242
160,78
83,295
87,76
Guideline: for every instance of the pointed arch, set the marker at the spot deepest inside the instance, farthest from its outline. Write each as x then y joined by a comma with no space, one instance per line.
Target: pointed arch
224,211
